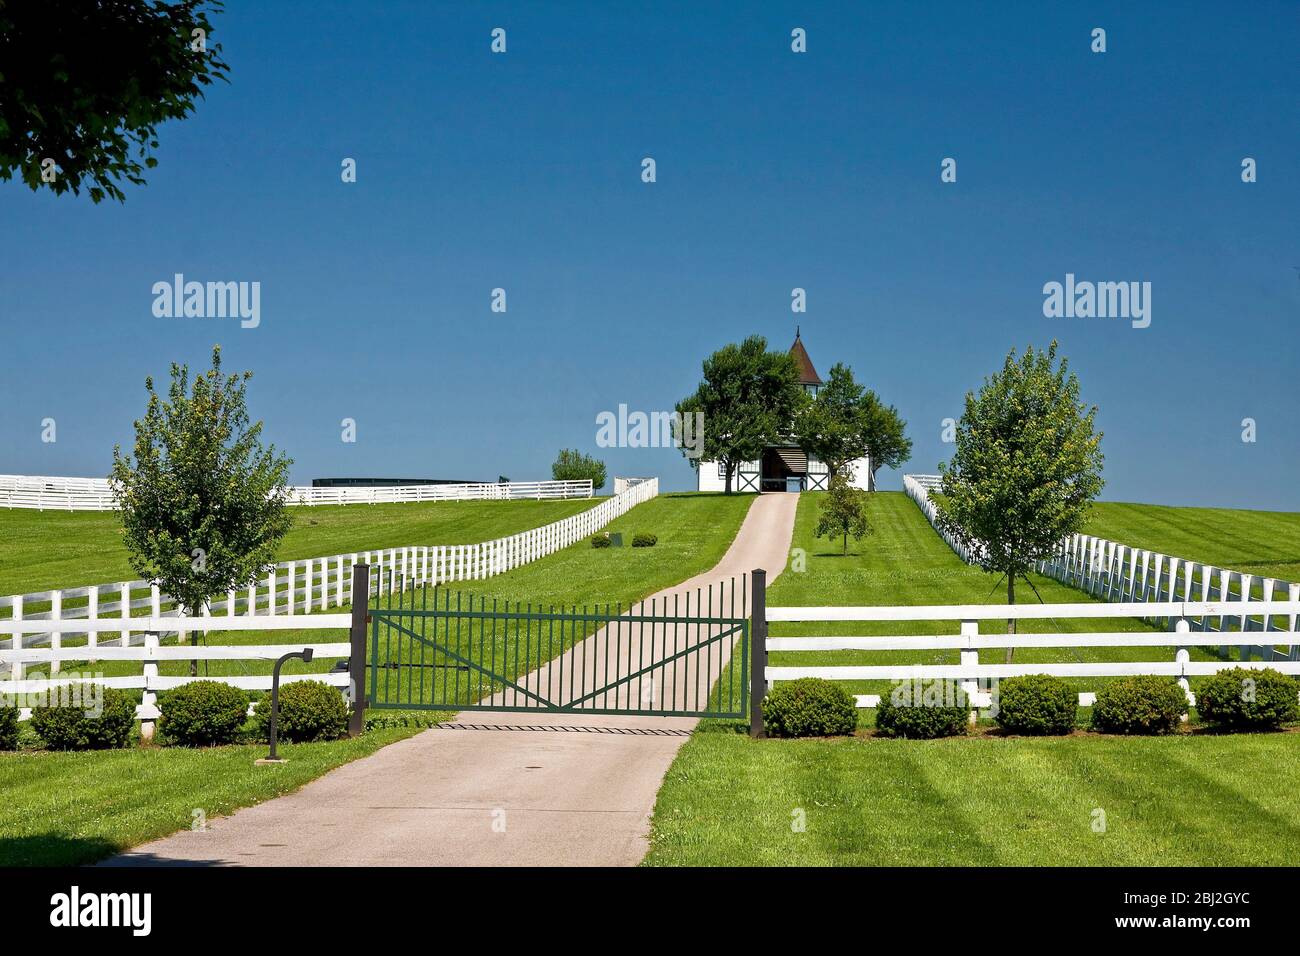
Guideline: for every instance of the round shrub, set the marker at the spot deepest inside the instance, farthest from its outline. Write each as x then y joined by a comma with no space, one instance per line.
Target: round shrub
202,713
601,540
808,707
923,710
72,728
644,539
8,728
309,710
1036,704
1244,699
1144,704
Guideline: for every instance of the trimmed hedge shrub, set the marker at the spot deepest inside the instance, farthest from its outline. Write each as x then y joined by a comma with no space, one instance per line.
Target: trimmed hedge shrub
1036,704
8,728
809,707
1143,704
923,710
644,539
601,540
69,728
309,710
202,713
1245,699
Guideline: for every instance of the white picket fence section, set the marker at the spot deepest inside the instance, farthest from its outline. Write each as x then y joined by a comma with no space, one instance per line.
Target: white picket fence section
150,652
94,494
301,586
970,672
1117,572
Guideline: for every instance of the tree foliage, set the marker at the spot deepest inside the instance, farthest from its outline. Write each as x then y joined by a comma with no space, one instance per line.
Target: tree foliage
571,465
202,500
847,421
749,397
1026,467
843,512
87,84
833,426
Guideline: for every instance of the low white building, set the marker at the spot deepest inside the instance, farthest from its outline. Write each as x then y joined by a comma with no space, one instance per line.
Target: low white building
782,467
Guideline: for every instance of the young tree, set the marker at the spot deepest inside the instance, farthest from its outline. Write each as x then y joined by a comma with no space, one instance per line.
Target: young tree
843,512
885,435
833,427
1026,467
202,501
571,465
83,86
749,398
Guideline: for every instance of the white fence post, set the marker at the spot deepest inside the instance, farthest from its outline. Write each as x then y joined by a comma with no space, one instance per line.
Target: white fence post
18,668
56,639
970,657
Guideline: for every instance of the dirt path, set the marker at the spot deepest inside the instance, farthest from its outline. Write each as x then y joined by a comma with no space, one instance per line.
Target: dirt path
487,789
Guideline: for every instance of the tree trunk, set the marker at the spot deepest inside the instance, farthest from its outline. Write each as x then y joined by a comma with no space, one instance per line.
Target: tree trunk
1011,621
727,485
846,544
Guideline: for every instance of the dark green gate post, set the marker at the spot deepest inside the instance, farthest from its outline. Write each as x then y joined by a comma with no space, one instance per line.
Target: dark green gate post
758,651
357,656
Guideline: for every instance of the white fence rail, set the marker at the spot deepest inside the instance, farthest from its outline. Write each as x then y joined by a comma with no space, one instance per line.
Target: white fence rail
1118,572
294,587
150,653
970,672
94,494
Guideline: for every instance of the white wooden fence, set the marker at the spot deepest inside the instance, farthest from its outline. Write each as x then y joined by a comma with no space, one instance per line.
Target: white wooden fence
150,652
94,494
300,586
1118,572
970,672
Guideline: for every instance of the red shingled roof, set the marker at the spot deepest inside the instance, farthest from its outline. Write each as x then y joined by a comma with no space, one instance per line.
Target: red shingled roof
807,374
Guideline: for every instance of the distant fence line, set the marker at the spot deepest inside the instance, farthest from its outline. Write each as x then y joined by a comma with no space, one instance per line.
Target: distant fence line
1119,572
94,494
307,584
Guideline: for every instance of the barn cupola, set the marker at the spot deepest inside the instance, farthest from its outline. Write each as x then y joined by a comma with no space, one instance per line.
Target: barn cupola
808,376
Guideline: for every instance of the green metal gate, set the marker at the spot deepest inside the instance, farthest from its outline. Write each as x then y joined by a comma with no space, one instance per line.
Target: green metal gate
688,655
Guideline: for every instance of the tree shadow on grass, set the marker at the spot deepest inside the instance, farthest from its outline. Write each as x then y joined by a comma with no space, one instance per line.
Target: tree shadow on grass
54,849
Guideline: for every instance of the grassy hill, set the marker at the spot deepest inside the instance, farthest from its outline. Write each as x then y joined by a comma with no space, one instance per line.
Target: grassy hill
1266,543
67,549
979,800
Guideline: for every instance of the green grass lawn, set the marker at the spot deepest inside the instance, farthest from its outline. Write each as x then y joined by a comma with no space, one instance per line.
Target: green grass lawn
67,549
1265,543
1197,798
1190,800
69,808
64,809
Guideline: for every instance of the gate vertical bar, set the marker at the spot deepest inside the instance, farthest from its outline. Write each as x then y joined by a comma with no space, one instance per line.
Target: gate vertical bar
357,655
758,658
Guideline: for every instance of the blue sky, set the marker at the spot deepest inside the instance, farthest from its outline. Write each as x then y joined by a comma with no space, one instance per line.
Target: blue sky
775,170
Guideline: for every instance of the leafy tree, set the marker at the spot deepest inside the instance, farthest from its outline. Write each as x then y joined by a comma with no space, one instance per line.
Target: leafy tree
848,421
843,512
202,501
885,435
749,398
571,465
86,85
833,427
1026,467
